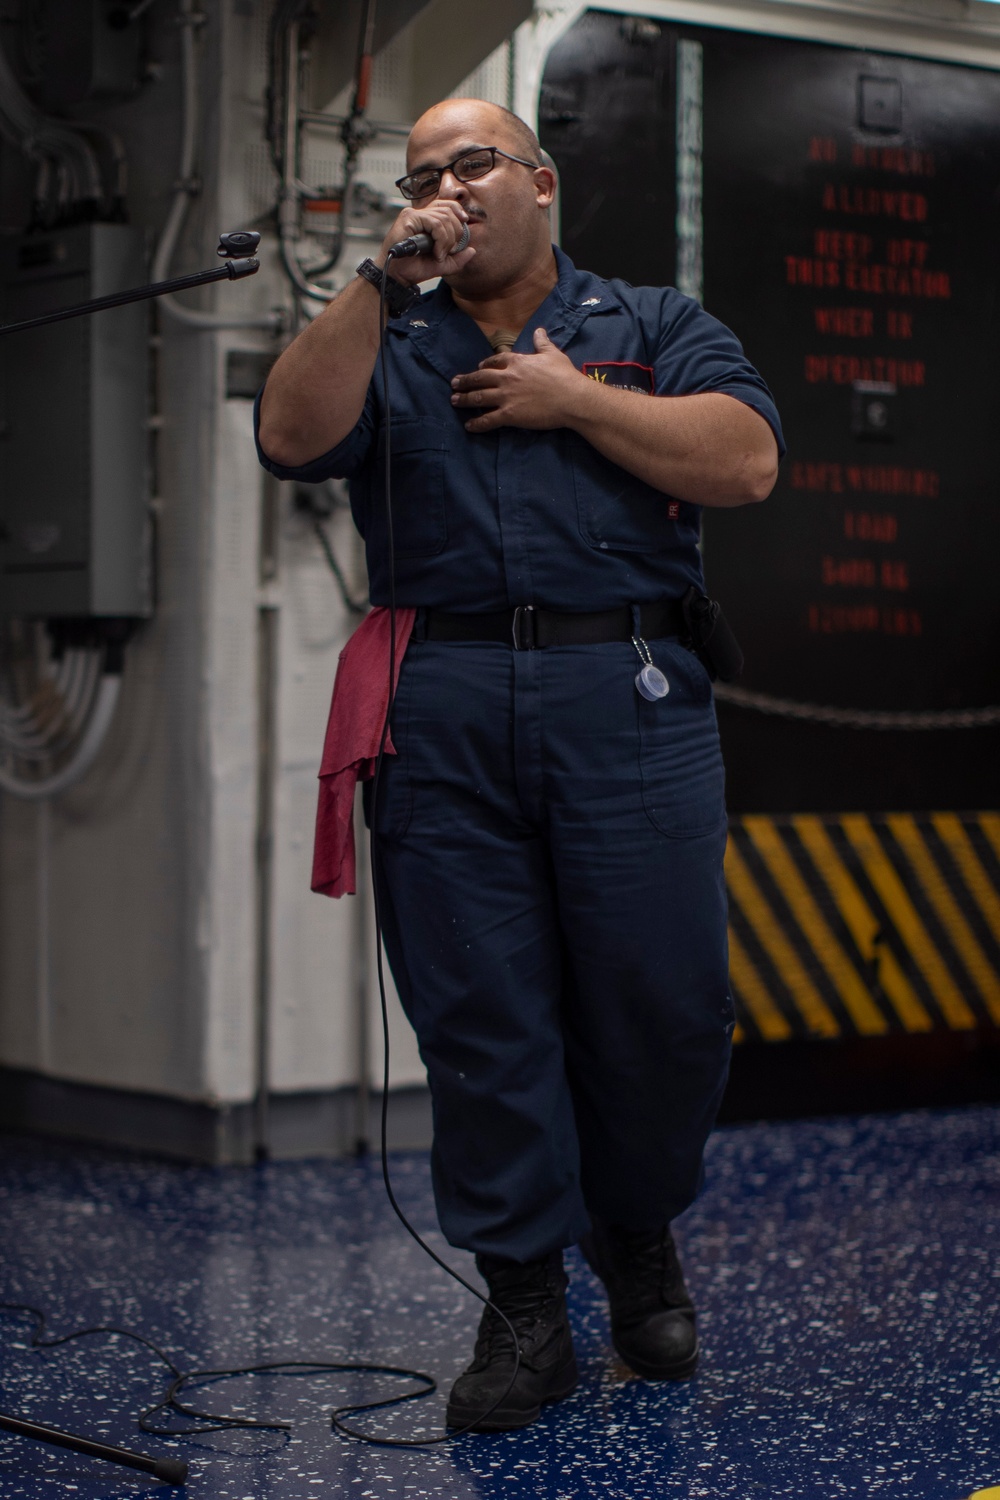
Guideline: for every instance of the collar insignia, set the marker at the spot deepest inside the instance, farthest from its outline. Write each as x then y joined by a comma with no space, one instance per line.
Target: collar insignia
417,323
590,302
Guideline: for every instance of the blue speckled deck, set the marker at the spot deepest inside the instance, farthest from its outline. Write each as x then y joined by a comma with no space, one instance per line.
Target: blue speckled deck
847,1273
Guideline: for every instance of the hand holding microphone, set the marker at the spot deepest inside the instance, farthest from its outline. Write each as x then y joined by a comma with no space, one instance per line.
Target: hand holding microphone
425,244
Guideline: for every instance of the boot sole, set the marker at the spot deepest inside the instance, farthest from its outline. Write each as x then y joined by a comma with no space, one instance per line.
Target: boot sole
505,1420
682,1370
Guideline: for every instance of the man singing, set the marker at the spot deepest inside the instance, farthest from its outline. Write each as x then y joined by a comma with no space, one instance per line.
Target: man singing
551,828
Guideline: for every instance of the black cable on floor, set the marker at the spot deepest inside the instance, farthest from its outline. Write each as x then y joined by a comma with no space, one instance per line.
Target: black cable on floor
213,1421
209,1421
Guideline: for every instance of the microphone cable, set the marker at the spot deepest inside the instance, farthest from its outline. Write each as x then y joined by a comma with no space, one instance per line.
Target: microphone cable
458,1432
184,1380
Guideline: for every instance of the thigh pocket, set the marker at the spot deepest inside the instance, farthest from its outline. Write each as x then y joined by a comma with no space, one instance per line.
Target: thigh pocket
680,760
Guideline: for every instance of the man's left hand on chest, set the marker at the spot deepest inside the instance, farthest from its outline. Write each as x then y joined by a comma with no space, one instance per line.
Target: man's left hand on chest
519,390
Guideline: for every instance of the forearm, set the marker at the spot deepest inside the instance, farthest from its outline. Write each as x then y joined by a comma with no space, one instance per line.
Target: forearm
708,449
316,391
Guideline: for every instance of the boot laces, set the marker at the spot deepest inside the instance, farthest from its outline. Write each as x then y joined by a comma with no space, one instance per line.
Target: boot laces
526,1300
652,1266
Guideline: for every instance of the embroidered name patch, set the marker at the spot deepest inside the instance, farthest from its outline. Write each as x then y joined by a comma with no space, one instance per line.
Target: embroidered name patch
626,376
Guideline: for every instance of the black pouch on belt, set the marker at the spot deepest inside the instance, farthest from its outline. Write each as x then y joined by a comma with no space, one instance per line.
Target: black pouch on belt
710,635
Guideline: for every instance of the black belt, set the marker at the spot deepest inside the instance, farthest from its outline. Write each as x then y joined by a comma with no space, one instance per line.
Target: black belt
526,628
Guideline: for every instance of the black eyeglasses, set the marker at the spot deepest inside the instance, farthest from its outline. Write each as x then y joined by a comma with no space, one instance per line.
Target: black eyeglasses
467,167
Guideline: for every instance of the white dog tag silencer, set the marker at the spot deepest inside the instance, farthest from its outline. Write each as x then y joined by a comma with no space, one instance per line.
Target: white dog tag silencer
651,683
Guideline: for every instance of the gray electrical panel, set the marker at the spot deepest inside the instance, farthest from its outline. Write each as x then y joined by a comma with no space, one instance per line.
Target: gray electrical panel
72,51
74,513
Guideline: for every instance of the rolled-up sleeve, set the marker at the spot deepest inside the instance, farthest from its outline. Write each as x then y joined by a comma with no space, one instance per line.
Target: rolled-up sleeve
342,462
697,354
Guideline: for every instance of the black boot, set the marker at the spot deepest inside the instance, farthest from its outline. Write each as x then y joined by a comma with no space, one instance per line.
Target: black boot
652,1315
533,1297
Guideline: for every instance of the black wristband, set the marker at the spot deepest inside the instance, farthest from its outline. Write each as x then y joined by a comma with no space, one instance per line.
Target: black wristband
398,298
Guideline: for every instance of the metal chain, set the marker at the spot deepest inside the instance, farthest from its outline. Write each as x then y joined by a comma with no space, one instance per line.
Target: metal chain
640,646
859,718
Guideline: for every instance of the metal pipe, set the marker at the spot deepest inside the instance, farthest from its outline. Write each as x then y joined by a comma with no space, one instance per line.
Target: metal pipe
267,632
291,192
366,52
43,933
267,667
189,18
293,73
362,938
336,122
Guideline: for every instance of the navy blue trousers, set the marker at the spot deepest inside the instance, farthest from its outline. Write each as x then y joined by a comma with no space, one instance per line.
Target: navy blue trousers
549,856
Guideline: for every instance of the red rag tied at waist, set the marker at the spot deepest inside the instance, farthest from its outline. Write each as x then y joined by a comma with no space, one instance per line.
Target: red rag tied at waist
353,731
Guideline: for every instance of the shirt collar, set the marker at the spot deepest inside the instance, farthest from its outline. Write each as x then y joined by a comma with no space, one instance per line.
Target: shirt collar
582,289
576,296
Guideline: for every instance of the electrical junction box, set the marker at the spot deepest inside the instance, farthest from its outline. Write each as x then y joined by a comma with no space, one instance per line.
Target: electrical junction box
74,512
72,51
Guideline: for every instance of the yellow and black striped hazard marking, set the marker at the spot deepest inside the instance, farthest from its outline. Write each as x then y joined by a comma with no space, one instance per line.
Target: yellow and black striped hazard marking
857,925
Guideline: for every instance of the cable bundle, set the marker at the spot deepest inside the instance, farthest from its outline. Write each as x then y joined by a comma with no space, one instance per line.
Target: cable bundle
69,187
54,710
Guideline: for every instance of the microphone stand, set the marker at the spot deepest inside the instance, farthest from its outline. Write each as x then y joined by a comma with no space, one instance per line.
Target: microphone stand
172,1470
239,260
236,250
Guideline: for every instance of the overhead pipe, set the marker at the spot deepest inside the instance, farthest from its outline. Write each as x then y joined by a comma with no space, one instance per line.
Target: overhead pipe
189,19
353,135
290,206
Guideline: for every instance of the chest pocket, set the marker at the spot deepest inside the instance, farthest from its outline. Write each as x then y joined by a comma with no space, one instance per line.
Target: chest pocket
615,511
419,512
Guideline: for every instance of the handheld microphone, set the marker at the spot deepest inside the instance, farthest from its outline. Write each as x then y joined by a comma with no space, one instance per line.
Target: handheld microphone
423,244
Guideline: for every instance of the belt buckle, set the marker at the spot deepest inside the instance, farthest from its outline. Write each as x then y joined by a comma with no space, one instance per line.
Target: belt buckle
523,628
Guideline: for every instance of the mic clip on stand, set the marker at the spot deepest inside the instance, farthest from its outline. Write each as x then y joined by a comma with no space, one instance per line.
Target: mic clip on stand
237,251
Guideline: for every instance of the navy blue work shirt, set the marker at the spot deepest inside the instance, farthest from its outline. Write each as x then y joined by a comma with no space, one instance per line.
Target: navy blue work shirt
483,521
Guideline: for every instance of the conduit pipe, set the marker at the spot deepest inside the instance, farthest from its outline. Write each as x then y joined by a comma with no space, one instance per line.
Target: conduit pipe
189,19
353,136
291,187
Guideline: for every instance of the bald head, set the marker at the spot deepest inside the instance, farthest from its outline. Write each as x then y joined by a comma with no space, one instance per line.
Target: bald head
507,208
507,130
